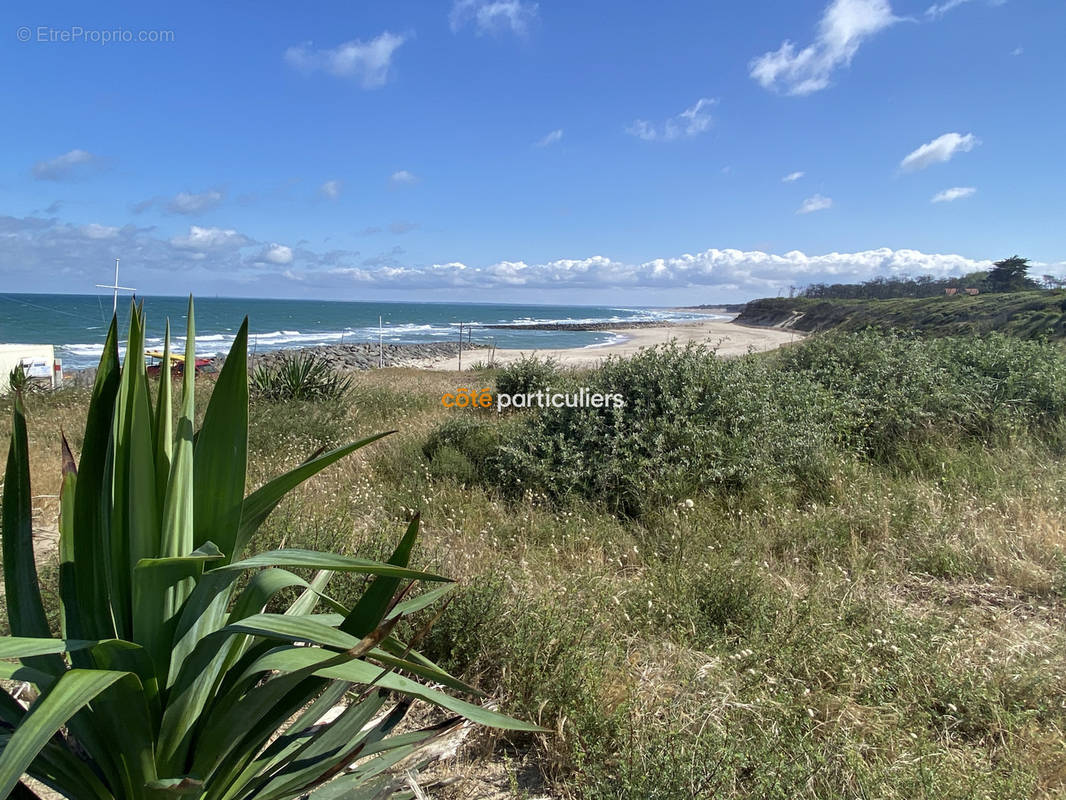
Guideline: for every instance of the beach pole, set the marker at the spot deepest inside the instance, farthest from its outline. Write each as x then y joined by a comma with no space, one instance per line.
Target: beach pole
460,347
381,346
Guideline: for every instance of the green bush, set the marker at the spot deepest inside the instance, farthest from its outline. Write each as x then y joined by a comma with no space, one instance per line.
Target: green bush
690,422
693,422
179,670
299,376
528,374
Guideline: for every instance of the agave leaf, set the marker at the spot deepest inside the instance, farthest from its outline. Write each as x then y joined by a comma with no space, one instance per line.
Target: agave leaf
293,658
92,499
372,606
177,786
178,508
358,784
281,749
162,424
258,505
27,646
121,656
221,453
419,602
53,710
70,613
153,619
323,756
309,598
254,598
294,629
62,771
261,589
135,528
314,560
25,611
258,713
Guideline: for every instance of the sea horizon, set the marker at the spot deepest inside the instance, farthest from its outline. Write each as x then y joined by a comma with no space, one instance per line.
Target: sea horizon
76,324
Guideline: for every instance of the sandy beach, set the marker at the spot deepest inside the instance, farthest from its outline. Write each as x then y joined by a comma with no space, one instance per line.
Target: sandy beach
729,338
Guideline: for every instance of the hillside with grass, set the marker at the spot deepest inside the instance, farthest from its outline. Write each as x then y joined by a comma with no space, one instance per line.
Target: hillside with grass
833,571
1026,315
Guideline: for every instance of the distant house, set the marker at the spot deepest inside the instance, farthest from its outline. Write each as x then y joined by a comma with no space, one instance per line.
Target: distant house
972,292
950,292
38,361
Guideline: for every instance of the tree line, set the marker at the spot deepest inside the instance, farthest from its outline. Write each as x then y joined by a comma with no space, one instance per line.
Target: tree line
1009,275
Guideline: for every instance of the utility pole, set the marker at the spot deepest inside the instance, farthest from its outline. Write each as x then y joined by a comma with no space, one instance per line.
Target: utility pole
115,287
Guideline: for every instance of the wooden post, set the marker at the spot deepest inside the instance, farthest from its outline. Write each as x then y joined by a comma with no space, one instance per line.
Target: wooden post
460,347
381,346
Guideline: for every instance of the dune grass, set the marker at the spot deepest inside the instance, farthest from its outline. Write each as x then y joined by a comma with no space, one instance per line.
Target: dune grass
898,633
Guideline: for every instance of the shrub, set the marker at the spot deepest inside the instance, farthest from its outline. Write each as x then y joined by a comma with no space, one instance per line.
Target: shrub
694,423
527,374
299,376
170,676
690,422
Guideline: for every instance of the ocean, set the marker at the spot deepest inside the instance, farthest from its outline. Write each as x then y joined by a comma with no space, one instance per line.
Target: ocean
77,324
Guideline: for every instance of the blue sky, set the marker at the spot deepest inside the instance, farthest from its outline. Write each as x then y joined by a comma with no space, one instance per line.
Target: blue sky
525,151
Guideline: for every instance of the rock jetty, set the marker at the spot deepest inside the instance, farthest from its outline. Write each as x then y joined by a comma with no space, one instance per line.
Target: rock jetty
354,357
581,326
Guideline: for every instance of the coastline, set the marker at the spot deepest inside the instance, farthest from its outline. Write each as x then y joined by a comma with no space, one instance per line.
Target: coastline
729,338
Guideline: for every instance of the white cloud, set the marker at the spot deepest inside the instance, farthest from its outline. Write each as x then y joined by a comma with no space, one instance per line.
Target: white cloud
844,26
331,189
65,167
401,177
367,62
275,253
792,176
751,272
550,138
95,231
189,203
690,122
815,202
1017,51
955,193
39,248
941,149
937,10
493,16
204,239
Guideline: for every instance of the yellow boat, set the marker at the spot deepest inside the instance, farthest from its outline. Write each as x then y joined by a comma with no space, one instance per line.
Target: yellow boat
159,354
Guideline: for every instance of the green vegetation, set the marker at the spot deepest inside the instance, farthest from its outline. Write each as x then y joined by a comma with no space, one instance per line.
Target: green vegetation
885,620
694,423
527,374
1008,275
299,376
183,666
1026,315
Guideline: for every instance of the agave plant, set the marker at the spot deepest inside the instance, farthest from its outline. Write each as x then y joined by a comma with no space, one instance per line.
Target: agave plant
169,676
300,376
